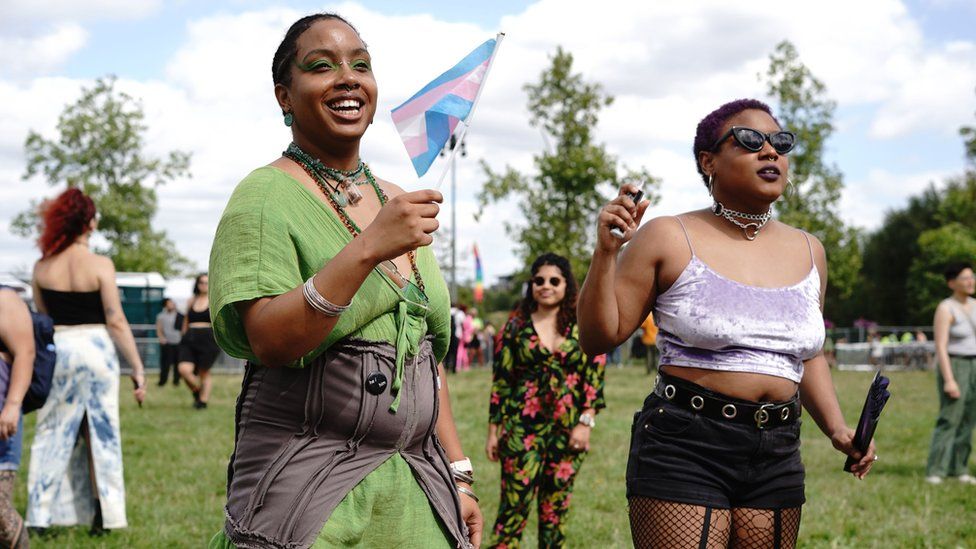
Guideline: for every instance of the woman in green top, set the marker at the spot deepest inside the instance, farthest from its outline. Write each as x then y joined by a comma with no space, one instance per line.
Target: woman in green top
322,278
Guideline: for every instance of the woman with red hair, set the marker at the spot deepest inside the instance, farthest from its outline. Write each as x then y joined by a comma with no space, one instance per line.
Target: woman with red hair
71,483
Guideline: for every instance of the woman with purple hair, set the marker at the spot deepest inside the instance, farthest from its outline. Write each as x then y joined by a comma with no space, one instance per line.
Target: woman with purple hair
738,299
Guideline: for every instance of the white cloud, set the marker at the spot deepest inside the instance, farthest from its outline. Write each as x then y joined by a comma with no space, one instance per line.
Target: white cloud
865,202
40,53
18,12
667,64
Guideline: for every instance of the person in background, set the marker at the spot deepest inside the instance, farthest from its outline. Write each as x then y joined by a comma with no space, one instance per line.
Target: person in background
467,336
450,361
876,349
649,339
75,474
476,347
830,351
955,349
16,367
545,396
198,348
168,334
488,335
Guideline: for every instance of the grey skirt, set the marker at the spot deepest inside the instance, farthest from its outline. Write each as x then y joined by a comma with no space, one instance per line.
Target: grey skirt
306,437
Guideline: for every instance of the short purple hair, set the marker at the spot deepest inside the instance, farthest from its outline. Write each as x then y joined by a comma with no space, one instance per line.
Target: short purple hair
710,126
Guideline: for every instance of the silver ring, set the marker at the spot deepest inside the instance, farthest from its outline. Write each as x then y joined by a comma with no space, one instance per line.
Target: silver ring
697,402
669,391
784,413
729,411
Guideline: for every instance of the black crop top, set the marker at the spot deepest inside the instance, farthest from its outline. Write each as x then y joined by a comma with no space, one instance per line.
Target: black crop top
197,316
72,308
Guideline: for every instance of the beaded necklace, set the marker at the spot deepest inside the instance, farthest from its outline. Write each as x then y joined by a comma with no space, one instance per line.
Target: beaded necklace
312,168
346,180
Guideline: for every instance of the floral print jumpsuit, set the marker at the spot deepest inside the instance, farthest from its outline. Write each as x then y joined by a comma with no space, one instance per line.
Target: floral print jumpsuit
537,397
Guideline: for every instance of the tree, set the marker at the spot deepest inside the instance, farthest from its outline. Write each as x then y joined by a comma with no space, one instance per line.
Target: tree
888,255
904,258
937,248
813,202
100,150
560,202
968,134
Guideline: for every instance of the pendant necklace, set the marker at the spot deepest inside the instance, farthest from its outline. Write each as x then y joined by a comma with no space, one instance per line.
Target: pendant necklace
344,192
338,201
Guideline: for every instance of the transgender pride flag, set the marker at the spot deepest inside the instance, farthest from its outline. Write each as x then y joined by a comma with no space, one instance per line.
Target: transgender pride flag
426,121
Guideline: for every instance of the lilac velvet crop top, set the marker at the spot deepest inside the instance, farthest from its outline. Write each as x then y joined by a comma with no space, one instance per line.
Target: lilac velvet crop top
711,322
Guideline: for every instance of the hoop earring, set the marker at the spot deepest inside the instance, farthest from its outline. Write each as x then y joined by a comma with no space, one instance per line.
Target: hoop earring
711,178
289,119
791,189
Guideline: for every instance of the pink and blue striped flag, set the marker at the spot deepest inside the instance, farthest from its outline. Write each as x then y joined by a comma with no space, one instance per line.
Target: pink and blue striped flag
426,121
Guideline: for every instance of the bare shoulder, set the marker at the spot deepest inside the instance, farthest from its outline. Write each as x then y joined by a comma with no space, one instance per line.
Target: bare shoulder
659,231
103,266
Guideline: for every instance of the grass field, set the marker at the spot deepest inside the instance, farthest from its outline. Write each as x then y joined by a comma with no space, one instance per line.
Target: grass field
176,458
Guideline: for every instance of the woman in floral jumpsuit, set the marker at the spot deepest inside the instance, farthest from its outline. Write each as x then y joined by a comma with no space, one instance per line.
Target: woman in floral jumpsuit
545,394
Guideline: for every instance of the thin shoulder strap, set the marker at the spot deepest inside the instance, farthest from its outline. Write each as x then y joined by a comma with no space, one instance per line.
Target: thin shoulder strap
809,247
688,238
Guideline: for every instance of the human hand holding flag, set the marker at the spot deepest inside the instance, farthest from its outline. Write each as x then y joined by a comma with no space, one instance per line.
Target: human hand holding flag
427,120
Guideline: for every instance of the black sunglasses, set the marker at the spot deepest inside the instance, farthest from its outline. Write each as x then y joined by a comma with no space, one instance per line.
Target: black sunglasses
782,141
554,281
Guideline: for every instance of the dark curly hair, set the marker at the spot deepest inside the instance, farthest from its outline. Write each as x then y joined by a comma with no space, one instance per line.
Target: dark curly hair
953,269
567,307
63,219
710,126
283,57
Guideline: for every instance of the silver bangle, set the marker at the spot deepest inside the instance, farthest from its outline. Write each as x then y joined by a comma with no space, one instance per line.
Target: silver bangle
469,493
461,476
319,303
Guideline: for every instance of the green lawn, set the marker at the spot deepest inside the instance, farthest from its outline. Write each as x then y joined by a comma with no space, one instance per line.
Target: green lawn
175,466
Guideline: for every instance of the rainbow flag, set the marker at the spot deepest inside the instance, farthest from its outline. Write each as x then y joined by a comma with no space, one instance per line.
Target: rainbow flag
479,277
426,121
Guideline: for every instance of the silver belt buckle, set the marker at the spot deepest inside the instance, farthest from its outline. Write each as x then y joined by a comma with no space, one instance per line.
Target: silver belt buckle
762,416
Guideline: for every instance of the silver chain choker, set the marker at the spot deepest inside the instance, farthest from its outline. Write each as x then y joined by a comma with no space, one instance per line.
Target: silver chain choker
755,221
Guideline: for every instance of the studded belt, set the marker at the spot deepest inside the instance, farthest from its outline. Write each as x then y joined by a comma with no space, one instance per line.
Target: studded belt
699,400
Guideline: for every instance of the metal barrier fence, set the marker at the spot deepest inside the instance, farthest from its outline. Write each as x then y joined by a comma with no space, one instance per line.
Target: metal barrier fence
891,356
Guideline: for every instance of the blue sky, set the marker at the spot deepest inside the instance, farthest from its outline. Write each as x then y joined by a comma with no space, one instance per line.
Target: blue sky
902,71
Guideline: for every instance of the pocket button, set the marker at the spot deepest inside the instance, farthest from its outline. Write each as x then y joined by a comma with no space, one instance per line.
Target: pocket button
376,383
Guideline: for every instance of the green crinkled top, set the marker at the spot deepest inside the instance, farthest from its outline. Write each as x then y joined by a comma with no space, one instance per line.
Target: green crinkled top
272,236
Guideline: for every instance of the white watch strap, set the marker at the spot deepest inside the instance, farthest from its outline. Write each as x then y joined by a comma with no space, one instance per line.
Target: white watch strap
462,465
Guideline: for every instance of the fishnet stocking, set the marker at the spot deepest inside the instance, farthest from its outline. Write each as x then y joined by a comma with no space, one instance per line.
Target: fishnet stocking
657,524
765,528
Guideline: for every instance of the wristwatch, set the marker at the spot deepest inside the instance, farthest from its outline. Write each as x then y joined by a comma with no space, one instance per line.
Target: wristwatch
588,420
462,466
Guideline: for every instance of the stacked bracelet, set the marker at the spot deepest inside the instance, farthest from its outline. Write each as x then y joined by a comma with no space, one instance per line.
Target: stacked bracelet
469,493
319,303
461,476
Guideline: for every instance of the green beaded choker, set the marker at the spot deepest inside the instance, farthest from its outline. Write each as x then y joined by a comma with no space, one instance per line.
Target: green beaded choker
344,192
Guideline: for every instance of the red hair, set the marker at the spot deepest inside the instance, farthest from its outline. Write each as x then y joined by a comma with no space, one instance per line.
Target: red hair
63,219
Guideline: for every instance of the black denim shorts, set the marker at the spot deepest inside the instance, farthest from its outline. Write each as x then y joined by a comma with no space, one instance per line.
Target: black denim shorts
681,456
